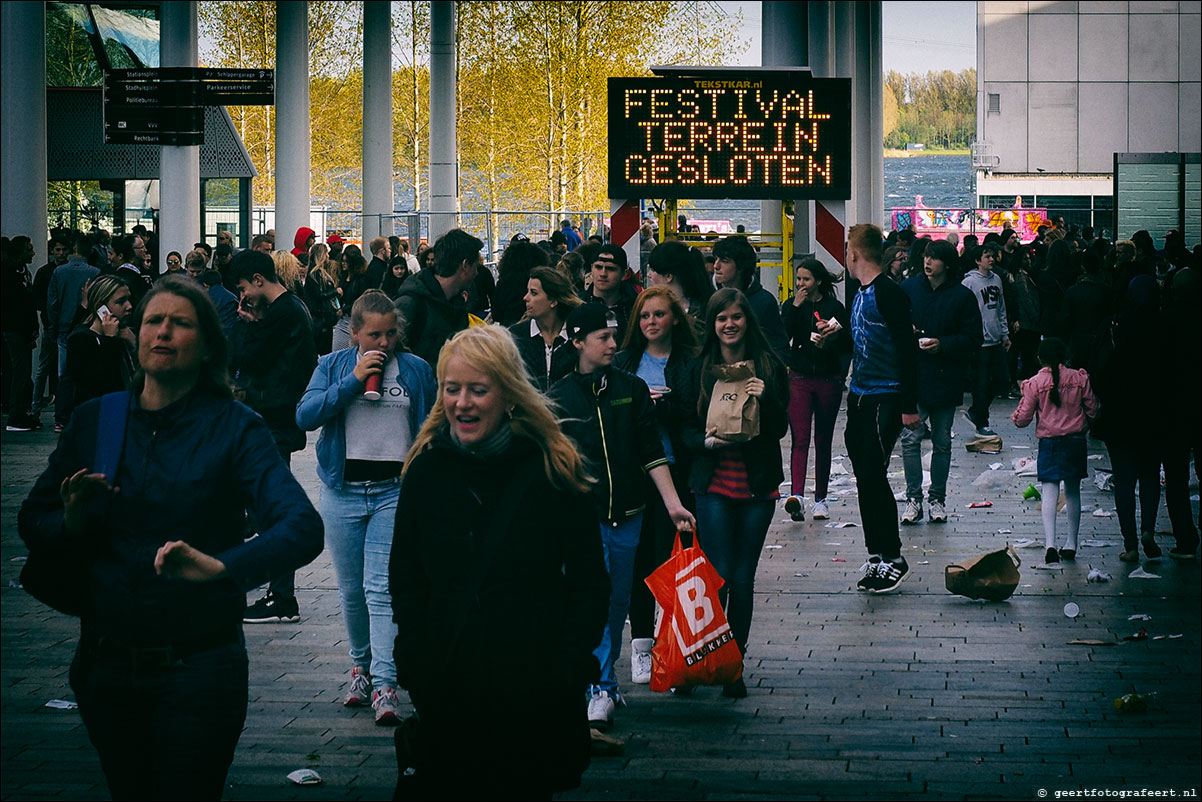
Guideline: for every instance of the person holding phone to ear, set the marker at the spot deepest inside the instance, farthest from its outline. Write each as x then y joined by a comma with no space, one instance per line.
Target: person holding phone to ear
100,350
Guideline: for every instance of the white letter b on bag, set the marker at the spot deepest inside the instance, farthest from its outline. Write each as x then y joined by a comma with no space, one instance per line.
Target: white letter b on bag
696,607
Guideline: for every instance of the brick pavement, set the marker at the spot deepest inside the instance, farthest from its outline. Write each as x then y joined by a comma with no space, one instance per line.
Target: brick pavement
916,695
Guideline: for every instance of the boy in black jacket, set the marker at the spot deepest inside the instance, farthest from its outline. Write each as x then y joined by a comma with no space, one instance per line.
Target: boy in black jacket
609,414
273,359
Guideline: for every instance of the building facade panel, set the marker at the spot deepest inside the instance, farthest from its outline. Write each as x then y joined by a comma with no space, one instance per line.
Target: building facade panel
1153,47
1189,34
1102,7
1005,44
1008,128
1103,128
1154,119
1052,55
1052,128
1103,47
1054,7
1189,106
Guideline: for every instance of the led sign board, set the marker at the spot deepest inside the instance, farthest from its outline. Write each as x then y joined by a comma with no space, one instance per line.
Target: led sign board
771,135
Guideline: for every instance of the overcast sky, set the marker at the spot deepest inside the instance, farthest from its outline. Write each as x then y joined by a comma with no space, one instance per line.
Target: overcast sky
919,36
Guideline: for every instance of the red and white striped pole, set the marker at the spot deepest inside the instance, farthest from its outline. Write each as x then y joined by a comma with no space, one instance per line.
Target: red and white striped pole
624,225
830,234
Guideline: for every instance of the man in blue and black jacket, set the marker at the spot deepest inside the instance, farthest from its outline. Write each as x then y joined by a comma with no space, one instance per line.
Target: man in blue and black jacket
881,398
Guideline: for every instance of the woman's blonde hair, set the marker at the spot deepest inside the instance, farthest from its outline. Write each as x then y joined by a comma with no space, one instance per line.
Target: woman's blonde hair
288,269
100,290
492,351
319,260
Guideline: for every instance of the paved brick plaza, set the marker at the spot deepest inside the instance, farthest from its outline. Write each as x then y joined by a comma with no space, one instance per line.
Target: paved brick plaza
917,695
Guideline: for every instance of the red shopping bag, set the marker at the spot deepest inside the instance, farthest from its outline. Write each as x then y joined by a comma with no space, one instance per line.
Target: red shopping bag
693,641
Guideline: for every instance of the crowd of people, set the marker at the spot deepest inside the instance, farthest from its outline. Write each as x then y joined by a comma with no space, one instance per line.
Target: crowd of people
527,449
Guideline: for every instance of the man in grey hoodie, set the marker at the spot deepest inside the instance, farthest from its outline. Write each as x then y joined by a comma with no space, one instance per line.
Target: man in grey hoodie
990,372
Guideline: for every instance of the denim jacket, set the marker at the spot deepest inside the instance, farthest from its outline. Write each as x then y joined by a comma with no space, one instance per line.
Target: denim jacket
333,388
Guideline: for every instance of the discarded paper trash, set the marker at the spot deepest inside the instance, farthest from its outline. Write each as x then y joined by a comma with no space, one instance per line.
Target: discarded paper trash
840,525
1101,513
977,504
62,704
1104,480
1140,573
993,575
1095,575
989,444
305,777
1139,617
1024,466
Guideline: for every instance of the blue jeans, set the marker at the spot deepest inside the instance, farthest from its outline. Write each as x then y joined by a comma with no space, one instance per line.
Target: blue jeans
359,520
620,543
940,419
731,533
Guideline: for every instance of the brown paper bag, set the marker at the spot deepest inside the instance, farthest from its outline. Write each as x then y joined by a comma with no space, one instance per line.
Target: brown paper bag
734,413
985,444
992,576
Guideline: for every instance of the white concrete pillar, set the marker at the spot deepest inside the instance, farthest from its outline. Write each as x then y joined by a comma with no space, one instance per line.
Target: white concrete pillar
179,167
23,125
845,51
444,167
785,43
821,38
292,187
377,119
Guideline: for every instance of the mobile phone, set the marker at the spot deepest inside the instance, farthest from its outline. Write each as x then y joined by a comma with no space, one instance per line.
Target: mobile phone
103,313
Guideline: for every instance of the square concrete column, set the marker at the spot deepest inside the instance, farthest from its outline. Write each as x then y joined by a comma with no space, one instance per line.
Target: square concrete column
444,142
377,119
179,167
292,186
23,167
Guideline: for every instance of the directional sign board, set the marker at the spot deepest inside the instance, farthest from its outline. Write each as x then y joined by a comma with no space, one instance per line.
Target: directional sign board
166,106
221,87
769,135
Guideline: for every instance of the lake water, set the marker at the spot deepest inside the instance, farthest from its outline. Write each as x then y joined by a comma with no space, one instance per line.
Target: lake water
942,181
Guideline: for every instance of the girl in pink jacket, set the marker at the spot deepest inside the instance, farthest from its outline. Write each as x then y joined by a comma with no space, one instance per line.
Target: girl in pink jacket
1064,403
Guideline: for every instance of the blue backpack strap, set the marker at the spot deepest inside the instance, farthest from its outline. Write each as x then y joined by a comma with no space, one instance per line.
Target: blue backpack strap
110,433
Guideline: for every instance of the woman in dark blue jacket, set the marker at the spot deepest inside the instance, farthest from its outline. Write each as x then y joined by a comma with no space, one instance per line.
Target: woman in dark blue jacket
161,669
948,322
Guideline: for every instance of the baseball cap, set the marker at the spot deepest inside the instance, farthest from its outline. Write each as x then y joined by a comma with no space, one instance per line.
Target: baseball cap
590,317
334,239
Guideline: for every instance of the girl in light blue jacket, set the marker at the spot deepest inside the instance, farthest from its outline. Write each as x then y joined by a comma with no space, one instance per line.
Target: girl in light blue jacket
369,400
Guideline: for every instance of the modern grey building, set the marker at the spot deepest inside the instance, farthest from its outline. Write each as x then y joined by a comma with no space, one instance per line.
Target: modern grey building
1064,86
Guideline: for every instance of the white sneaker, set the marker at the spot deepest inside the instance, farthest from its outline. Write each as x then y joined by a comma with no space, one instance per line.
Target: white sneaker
640,660
819,512
938,513
913,512
601,710
796,507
